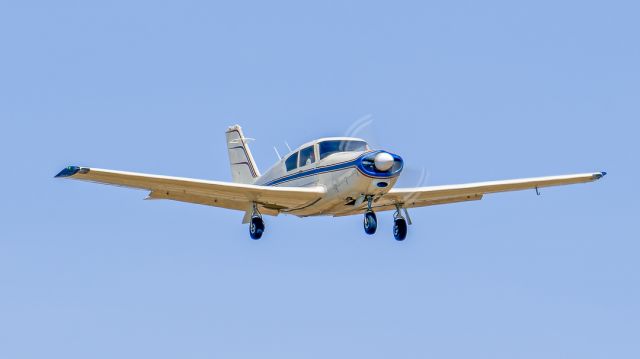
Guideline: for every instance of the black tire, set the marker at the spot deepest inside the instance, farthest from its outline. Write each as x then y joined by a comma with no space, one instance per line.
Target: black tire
256,228
370,223
400,229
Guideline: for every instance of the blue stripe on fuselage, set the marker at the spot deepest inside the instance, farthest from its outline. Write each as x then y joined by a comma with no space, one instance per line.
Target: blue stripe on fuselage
327,168
314,171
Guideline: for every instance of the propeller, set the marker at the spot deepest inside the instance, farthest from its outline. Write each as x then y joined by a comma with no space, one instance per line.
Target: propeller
365,128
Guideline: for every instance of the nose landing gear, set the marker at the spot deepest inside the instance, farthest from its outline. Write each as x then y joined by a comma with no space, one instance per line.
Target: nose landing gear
370,223
370,219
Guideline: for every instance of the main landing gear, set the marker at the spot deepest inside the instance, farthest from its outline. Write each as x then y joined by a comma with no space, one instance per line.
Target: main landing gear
400,227
256,226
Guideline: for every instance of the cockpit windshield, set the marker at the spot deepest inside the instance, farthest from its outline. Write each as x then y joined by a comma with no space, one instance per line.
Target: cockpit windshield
330,147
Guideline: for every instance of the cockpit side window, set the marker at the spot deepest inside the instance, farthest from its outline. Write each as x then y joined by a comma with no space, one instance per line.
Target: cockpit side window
327,148
292,162
307,156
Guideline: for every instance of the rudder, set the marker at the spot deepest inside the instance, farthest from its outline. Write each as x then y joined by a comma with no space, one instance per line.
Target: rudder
243,167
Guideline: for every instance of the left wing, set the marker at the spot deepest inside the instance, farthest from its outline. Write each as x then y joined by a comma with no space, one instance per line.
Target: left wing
433,195
271,200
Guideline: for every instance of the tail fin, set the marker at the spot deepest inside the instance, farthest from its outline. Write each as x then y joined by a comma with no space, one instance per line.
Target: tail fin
243,167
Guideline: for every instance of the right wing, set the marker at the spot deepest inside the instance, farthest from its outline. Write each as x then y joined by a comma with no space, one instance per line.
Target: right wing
434,195
270,200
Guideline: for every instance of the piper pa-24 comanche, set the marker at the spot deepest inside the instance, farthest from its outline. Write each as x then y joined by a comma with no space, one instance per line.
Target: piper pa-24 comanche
337,176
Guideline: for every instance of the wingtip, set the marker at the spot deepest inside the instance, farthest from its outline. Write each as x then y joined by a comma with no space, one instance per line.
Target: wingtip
68,171
600,175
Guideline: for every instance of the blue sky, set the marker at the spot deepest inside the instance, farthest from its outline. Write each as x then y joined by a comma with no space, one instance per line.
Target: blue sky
468,90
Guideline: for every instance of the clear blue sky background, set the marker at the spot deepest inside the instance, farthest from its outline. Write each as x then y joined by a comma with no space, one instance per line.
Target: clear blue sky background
470,90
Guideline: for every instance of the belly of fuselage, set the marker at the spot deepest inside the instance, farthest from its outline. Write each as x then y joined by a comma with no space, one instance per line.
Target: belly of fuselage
344,187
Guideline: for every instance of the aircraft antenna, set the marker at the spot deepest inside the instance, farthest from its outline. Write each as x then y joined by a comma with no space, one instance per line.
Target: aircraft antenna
277,153
289,147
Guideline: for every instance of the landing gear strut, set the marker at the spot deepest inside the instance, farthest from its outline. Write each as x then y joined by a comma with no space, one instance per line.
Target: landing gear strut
399,225
370,219
256,226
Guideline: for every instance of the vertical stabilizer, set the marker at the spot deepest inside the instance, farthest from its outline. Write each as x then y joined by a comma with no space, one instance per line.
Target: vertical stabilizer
243,166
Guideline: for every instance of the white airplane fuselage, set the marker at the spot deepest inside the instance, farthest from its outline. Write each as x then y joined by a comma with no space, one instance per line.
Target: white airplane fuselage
348,176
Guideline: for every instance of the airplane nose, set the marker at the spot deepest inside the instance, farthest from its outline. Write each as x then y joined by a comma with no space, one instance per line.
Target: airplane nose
383,161
380,164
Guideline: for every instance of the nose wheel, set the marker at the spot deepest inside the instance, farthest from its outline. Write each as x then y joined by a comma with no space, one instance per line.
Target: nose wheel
370,219
370,222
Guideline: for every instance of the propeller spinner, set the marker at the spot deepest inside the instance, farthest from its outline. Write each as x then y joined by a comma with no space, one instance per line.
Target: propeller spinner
383,161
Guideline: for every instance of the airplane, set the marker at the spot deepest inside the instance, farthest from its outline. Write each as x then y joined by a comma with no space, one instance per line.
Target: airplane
334,176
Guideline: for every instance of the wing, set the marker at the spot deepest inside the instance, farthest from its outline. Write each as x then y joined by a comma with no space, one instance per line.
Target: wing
433,195
236,196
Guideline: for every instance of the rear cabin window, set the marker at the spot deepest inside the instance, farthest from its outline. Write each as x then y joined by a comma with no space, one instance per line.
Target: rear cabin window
307,156
292,162
327,148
